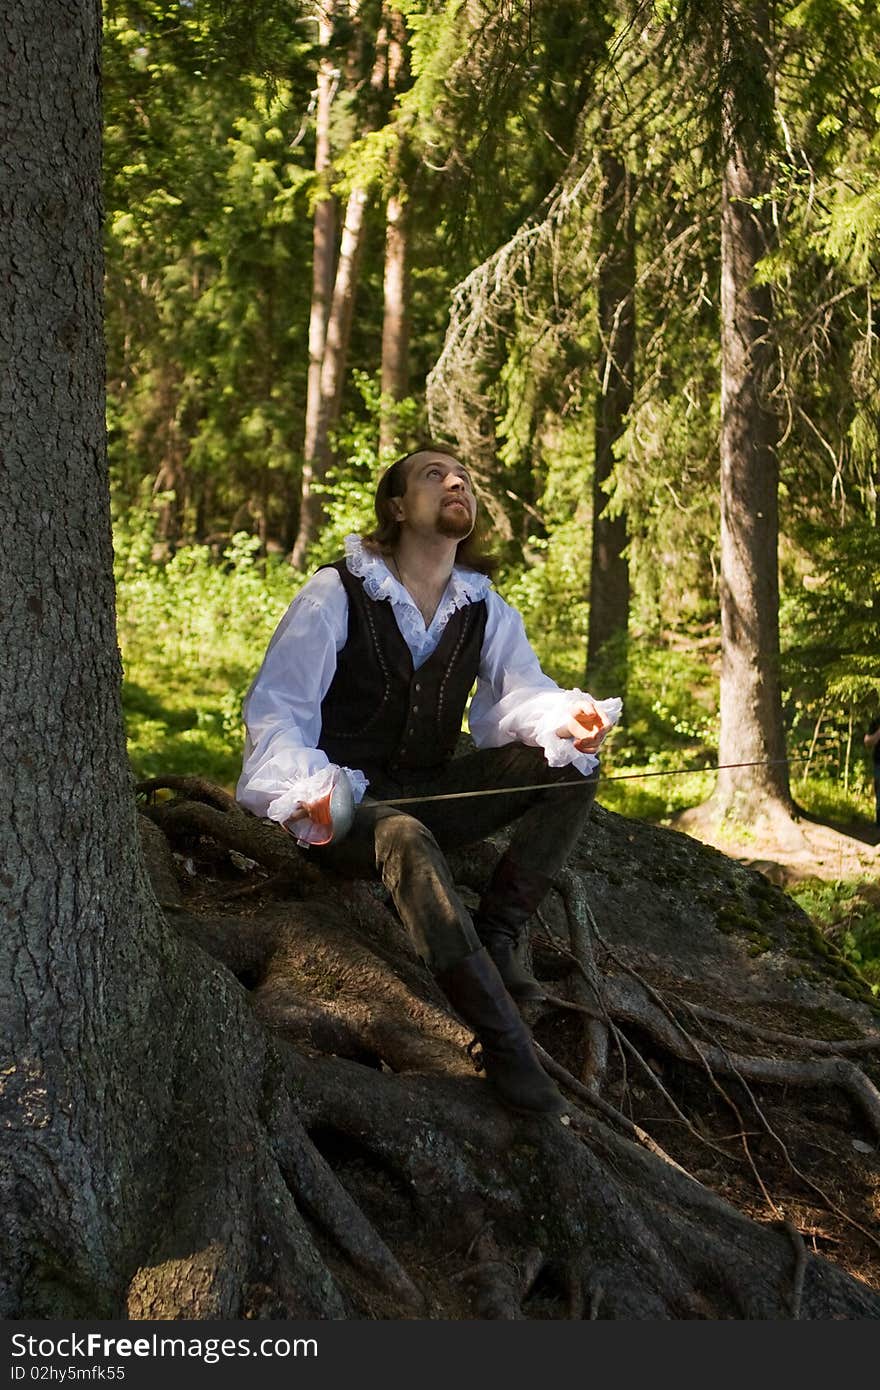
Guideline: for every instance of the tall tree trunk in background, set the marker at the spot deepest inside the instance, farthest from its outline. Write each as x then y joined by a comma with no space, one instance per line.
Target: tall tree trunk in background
609,568
171,476
751,706
338,330
332,368
323,253
395,320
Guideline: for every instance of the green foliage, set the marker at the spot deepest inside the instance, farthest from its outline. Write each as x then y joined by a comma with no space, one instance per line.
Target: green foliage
205,193
831,619
546,593
654,799
848,913
192,632
348,489
210,194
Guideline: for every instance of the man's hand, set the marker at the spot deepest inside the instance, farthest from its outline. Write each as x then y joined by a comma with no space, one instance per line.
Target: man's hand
326,818
588,727
317,815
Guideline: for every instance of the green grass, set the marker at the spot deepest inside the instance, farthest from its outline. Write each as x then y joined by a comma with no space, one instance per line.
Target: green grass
654,797
825,797
193,634
184,726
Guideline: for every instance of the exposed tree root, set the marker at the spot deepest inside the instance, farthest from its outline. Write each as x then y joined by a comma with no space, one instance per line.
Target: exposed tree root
191,789
658,1243
257,839
316,1186
587,986
625,1005
499,1284
371,1174
839,1047
602,1107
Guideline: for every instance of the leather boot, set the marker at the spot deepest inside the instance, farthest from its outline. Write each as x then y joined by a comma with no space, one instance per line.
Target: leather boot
476,991
510,900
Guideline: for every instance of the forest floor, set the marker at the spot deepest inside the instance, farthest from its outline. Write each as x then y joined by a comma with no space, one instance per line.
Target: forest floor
814,849
809,848
805,1161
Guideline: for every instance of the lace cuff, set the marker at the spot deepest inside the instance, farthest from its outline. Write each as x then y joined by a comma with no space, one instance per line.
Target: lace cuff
555,709
307,789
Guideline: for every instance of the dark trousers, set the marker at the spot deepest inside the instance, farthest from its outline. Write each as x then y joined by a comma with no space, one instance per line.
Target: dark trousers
404,846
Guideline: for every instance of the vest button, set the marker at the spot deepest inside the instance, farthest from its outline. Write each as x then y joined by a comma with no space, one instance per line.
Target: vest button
418,687
415,709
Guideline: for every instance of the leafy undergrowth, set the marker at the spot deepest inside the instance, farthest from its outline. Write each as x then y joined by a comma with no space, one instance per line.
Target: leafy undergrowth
848,914
192,634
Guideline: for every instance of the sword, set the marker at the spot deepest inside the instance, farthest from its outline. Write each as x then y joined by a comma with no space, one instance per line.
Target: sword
336,811
550,786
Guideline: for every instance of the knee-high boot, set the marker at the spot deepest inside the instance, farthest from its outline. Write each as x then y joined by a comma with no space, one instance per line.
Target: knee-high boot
513,895
476,991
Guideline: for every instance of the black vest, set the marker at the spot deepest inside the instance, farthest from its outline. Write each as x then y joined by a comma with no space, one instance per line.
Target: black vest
379,714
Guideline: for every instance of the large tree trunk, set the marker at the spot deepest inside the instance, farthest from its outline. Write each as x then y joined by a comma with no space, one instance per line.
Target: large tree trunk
751,707
609,568
82,954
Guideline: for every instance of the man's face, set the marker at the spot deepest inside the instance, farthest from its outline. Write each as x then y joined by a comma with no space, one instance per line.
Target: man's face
439,498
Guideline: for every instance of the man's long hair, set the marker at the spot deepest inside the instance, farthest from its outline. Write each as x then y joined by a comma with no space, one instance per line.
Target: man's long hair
383,540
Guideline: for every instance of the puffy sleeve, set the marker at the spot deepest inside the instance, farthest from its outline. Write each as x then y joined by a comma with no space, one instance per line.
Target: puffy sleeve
283,766
516,701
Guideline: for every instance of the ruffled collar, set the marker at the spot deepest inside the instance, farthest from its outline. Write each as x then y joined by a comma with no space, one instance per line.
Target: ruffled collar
465,586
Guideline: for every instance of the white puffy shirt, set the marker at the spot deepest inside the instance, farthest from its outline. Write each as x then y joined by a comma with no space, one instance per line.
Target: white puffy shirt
514,700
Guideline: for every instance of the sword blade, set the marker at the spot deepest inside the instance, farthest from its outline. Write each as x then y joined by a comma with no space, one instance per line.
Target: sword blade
551,786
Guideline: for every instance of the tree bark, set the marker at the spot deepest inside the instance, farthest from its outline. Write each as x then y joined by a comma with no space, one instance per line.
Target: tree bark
73,1171
609,567
751,706
395,320
332,369
324,247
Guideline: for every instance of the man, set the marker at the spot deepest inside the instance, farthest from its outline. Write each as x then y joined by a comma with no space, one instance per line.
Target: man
367,677
872,740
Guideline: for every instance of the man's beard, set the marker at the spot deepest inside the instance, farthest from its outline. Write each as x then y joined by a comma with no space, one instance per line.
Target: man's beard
455,522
